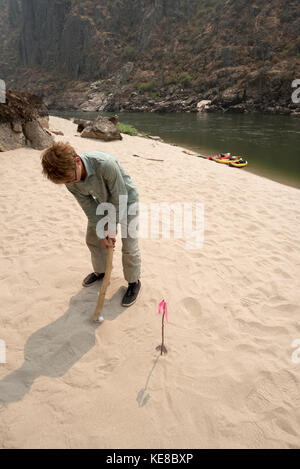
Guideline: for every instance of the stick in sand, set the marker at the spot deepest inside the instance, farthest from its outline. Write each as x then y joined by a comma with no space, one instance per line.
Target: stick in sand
162,347
108,269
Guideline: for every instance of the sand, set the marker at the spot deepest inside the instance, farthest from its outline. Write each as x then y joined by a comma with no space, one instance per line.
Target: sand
228,380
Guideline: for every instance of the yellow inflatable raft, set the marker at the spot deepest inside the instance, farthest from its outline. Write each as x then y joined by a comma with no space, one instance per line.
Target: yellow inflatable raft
241,163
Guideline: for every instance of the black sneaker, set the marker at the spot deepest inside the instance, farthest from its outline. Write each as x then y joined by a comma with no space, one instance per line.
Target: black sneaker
92,278
131,295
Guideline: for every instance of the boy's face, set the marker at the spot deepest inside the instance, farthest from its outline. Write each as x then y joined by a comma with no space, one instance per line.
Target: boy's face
75,174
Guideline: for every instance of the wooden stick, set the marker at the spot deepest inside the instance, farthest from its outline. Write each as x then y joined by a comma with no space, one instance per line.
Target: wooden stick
150,159
163,337
108,269
162,347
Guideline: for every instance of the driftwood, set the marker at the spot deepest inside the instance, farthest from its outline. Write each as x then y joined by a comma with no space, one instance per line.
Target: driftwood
144,158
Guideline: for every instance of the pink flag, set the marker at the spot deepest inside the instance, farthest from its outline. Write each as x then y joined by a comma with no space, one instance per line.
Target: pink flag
160,308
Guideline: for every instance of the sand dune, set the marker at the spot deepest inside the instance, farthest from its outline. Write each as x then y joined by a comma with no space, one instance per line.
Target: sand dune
228,379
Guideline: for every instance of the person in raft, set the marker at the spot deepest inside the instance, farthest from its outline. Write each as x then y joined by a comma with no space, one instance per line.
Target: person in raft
93,178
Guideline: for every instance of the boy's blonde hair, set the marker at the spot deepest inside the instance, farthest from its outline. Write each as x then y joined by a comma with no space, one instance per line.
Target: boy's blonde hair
58,162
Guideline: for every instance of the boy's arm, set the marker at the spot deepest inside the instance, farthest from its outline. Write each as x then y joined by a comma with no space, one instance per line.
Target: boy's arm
115,183
87,203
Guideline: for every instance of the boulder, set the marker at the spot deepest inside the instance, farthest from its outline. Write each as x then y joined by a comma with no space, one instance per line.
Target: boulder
203,105
102,129
9,139
97,101
24,107
114,119
82,124
24,120
38,137
238,108
232,96
17,127
44,121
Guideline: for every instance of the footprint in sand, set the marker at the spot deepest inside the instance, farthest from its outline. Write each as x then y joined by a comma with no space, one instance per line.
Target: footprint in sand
191,309
257,329
275,391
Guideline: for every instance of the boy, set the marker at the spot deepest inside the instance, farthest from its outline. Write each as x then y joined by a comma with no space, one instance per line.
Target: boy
93,178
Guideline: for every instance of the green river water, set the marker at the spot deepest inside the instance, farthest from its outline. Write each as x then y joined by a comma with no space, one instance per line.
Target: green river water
270,144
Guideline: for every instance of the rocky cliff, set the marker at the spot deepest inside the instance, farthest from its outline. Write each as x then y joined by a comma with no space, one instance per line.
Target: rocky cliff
153,54
24,120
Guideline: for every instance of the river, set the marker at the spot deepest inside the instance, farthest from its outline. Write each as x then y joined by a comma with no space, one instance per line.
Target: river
270,144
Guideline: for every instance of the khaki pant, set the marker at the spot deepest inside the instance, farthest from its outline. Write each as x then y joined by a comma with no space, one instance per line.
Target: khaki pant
131,257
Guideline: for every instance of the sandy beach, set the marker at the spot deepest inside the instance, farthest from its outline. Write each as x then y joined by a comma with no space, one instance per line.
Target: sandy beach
228,380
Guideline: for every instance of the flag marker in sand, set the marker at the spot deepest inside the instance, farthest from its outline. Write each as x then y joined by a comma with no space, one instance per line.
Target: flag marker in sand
162,306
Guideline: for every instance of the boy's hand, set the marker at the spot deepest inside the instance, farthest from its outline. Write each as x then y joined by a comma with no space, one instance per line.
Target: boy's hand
109,242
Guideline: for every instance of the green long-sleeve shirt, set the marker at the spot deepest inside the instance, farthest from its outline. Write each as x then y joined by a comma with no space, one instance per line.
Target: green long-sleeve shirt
106,180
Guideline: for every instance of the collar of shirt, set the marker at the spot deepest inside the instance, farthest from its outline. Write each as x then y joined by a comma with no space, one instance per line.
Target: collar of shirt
88,167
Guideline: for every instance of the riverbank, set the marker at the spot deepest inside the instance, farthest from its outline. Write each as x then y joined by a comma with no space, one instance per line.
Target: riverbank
269,143
228,379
